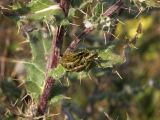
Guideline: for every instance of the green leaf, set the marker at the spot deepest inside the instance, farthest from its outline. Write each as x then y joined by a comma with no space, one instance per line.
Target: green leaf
37,66
77,75
109,58
98,9
57,99
36,5
64,22
35,73
37,47
153,3
47,12
58,72
84,4
38,10
71,13
33,89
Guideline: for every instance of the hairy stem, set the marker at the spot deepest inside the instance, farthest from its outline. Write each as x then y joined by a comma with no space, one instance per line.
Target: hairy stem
53,61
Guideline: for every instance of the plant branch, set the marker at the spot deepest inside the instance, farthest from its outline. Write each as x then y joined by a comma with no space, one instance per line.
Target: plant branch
53,61
75,42
109,12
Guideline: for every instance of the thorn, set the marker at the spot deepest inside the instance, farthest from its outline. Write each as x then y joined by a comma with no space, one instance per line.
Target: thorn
60,82
49,29
108,117
21,84
133,46
89,75
114,35
74,24
82,12
121,21
14,104
25,97
140,11
23,42
80,77
105,40
68,81
118,74
68,98
19,110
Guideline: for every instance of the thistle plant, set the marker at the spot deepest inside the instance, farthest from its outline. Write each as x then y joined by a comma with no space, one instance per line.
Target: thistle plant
71,39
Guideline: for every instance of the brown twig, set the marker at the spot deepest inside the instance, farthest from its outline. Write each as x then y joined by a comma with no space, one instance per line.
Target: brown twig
75,42
113,8
3,60
53,61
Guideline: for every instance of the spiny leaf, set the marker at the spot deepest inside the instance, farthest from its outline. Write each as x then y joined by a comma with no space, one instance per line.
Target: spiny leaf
57,98
33,89
153,3
98,9
64,22
35,74
46,13
36,66
71,13
109,59
40,9
36,5
58,72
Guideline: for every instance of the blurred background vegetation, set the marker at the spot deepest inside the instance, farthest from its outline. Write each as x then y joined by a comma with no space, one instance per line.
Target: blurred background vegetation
135,97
